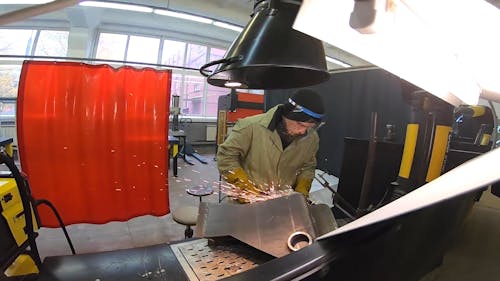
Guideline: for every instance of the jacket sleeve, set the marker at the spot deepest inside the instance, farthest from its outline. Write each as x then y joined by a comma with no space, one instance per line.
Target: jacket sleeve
232,152
309,167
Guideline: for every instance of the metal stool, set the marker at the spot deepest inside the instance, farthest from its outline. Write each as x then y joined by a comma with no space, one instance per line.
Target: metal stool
186,215
200,191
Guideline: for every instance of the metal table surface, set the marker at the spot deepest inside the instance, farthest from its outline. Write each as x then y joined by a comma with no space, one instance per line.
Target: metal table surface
156,262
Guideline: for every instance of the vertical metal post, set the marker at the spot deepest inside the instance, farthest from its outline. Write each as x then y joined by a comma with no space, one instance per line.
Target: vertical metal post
370,160
175,113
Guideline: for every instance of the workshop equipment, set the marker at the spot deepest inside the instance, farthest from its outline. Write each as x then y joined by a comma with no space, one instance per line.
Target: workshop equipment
18,223
12,229
175,111
277,226
269,53
426,142
19,220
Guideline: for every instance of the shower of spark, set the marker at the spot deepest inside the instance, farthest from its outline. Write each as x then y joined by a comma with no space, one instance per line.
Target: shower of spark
267,192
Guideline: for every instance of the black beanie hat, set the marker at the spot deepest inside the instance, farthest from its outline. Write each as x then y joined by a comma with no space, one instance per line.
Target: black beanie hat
305,106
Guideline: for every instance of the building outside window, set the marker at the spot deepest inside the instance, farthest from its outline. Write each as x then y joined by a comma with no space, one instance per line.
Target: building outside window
213,93
196,55
192,97
177,83
173,53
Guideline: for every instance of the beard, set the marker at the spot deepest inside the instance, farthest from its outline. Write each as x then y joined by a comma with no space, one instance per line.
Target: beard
286,137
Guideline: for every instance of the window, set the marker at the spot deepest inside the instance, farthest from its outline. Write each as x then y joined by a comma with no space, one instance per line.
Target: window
197,98
111,46
173,53
16,41
215,54
192,99
25,42
143,49
52,43
196,55
9,80
213,94
176,88
7,109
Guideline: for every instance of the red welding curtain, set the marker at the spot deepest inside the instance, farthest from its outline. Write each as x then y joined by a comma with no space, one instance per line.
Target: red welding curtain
93,140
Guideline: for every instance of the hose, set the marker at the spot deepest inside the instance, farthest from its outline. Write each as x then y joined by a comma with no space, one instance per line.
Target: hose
59,219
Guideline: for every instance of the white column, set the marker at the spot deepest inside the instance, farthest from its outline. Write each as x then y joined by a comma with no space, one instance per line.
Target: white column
79,42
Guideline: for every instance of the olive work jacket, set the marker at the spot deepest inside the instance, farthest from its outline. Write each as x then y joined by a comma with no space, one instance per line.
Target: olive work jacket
256,148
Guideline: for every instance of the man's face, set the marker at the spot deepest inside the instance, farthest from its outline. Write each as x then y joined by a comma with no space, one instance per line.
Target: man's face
297,128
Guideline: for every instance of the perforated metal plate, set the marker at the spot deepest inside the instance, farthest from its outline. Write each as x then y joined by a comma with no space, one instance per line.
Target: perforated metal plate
202,260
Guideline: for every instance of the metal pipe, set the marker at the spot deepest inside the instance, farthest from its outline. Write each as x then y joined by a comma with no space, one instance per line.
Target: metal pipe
495,125
368,174
33,11
98,60
430,134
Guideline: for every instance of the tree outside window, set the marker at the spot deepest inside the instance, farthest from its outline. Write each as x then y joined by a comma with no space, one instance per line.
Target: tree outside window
173,53
52,43
9,80
111,46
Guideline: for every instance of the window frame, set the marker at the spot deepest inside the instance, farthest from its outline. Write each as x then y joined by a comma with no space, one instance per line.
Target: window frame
183,70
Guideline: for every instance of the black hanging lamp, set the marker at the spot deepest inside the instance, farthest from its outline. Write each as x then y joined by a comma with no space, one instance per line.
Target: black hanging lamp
269,53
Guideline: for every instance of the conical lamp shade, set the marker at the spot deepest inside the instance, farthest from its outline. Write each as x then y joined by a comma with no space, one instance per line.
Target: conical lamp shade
269,54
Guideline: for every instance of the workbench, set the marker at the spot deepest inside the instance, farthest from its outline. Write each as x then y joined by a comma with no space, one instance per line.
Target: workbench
190,259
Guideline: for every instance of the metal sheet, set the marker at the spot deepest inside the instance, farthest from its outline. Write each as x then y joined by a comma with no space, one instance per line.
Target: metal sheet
264,225
207,260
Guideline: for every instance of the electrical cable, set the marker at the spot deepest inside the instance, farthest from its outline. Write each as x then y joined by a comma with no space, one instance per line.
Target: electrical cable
59,219
25,199
23,185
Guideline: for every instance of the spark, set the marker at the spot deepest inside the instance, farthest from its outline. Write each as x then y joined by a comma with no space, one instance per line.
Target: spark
268,191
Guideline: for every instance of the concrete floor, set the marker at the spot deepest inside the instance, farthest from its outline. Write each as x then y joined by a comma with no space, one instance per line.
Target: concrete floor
475,255
139,231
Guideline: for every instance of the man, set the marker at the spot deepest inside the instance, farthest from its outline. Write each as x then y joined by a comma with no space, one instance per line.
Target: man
276,149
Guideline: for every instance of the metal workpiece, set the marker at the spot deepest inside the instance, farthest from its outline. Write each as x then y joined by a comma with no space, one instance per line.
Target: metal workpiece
267,225
209,259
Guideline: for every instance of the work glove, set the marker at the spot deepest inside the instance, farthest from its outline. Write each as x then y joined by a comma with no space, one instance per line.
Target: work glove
239,178
303,186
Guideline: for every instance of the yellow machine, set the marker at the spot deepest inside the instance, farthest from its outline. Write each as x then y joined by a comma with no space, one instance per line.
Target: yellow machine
13,231
13,211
